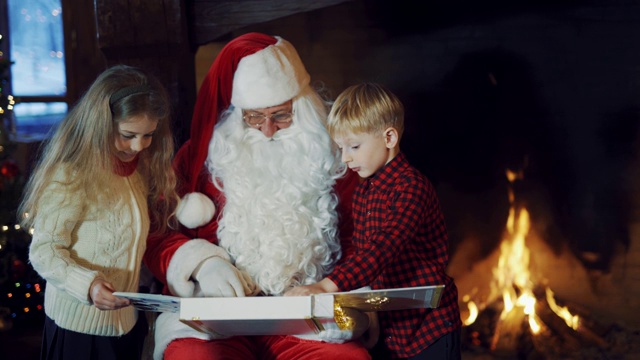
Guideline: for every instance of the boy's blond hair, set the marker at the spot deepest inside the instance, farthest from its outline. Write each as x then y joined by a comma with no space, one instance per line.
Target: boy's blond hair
365,108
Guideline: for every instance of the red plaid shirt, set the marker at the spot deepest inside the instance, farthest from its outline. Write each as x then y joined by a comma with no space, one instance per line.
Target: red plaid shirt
401,240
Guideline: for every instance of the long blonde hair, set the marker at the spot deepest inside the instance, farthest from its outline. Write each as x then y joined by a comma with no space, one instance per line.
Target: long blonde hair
84,142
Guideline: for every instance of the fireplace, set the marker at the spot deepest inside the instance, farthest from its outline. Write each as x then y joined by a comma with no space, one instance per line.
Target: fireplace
510,302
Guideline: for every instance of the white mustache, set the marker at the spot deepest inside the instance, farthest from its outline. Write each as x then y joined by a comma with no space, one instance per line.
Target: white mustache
253,136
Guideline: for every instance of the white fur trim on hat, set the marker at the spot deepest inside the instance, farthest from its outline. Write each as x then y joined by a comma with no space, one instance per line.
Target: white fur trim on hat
185,260
269,77
195,209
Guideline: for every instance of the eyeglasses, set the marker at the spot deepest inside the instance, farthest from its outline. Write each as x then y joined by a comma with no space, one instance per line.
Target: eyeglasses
257,119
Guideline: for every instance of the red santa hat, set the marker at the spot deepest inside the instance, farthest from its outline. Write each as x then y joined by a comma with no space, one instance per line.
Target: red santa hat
252,71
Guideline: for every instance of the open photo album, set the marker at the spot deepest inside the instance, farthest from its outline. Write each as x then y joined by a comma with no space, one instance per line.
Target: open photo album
280,315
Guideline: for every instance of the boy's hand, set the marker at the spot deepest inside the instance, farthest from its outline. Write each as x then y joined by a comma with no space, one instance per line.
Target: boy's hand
101,294
324,286
305,290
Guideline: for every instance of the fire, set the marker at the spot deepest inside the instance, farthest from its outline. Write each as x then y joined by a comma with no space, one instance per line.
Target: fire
473,310
512,279
572,321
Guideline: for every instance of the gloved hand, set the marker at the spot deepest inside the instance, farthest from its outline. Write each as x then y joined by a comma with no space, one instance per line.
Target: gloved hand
217,277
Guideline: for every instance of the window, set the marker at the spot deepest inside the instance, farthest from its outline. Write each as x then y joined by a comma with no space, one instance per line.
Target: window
38,73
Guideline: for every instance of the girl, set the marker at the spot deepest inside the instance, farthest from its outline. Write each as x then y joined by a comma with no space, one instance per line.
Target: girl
102,179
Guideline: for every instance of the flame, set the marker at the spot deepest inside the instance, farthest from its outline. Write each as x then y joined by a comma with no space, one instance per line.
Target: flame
572,321
511,276
473,310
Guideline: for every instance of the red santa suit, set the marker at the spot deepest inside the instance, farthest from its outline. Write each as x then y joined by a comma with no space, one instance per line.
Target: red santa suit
277,211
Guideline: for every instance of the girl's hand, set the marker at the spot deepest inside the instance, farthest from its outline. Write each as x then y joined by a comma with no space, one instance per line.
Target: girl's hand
101,293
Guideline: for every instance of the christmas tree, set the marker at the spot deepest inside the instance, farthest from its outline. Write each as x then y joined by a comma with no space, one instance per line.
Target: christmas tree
21,288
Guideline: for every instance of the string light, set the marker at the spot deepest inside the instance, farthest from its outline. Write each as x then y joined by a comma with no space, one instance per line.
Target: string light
23,298
21,293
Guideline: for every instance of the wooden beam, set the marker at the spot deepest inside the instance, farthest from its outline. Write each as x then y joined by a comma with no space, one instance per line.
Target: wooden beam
151,34
209,20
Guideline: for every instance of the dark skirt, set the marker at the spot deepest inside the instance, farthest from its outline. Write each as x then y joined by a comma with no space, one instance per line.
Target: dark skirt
62,344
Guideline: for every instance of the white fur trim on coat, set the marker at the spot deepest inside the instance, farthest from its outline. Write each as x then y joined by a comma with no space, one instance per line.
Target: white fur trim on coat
185,260
195,209
168,327
269,77
332,332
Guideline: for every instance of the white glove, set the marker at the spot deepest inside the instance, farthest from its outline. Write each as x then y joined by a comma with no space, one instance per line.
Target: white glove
216,277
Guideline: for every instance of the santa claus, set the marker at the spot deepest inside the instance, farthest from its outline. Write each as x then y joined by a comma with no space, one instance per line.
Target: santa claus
265,203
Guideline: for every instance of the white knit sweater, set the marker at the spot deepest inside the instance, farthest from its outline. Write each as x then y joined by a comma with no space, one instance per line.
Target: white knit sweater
75,242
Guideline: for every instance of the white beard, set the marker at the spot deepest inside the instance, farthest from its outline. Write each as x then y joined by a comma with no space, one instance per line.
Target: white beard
279,222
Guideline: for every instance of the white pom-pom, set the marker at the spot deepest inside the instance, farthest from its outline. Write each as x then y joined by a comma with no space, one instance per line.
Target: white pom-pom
195,209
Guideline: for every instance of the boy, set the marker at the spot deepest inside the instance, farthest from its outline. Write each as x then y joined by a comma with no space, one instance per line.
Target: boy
399,230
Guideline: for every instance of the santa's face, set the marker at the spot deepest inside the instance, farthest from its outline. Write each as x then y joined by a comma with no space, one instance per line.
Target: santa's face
269,120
